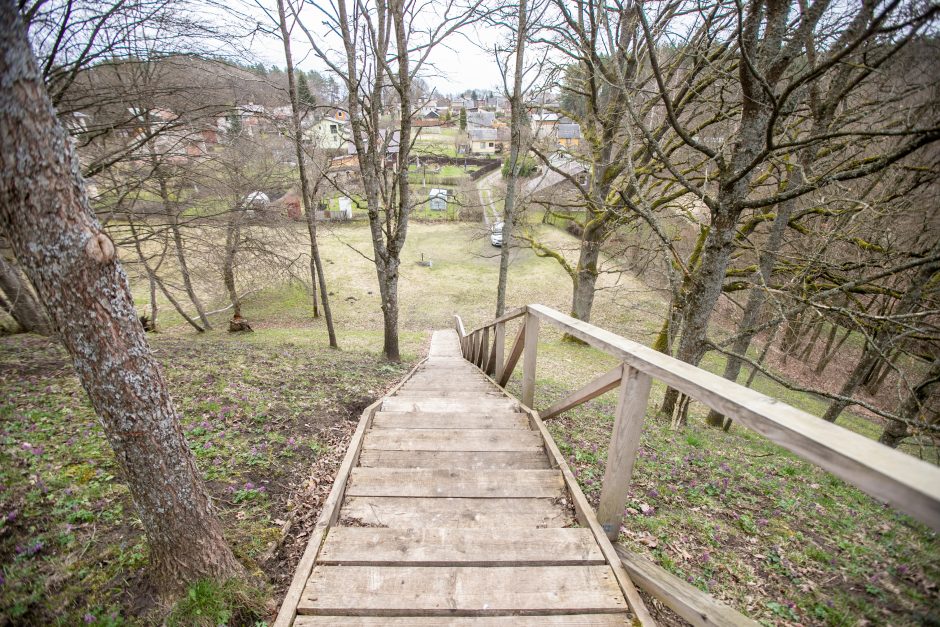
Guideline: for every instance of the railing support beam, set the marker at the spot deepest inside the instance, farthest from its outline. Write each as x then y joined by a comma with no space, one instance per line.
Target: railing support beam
621,454
499,350
528,360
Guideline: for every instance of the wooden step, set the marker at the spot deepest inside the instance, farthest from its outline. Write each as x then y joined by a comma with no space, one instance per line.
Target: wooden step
456,460
432,420
404,403
461,591
455,483
352,546
460,394
499,513
453,440
570,620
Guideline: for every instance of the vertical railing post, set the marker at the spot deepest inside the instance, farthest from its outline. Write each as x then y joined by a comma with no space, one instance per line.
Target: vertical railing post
499,350
484,348
528,359
624,441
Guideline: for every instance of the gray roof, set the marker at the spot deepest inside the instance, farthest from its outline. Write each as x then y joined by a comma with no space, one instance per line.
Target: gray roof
482,134
481,118
569,131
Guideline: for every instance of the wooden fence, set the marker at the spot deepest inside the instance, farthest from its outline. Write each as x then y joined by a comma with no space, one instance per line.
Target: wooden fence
911,485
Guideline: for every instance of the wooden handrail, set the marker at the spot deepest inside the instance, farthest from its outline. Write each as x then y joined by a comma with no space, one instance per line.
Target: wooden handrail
509,315
911,485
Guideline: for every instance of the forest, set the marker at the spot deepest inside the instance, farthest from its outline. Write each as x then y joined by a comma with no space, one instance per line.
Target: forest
211,263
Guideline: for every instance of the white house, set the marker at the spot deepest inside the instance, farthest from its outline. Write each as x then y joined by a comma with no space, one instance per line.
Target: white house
484,141
329,133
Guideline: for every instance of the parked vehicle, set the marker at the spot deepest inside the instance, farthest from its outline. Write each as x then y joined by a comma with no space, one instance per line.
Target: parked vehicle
496,235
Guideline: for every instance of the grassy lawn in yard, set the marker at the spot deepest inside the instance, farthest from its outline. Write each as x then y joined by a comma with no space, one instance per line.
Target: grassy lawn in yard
732,513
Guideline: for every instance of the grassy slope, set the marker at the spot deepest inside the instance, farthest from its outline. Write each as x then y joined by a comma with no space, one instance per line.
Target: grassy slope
732,513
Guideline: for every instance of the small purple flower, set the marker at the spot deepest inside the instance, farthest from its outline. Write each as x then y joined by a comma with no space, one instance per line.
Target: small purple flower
249,486
902,570
262,489
89,619
761,522
706,556
207,445
2,580
725,467
11,516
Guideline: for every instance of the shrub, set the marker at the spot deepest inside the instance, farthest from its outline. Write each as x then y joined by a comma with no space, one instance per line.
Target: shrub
526,165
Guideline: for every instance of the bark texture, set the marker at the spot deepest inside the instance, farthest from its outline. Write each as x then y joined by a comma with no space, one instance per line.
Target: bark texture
45,212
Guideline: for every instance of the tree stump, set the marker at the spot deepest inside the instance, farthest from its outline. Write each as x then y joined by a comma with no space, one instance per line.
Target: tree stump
238,325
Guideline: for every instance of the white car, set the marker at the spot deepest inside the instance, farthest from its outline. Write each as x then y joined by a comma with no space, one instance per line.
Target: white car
496,235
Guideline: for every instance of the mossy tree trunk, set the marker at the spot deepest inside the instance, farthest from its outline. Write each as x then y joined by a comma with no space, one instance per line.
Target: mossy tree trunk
45,212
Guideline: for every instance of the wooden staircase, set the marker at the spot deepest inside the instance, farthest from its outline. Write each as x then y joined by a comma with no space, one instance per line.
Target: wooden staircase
458,509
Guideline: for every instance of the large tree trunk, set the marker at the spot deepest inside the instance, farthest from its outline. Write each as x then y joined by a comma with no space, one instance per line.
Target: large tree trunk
316,267
23,305
755,301
515,147
45,212
585,283
388,290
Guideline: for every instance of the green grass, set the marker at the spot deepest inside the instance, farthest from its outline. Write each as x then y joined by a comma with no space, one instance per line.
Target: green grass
257,411
735,515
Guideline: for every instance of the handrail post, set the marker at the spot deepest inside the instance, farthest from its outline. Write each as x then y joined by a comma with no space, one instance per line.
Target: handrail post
621,454
528,359
484,348
499,349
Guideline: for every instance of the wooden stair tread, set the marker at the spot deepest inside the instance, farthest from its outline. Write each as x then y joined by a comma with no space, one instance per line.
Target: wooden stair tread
437,420
460,591
359,546
570,620
455,483
499,513
455,460
453,440
406,403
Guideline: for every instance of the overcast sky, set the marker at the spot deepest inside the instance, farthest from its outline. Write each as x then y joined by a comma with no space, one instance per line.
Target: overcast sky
461,64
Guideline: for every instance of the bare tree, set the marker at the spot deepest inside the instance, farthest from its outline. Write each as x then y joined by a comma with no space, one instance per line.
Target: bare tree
45,213
316,267
384,48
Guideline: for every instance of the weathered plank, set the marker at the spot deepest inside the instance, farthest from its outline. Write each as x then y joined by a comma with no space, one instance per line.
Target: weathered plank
456,460
358,546
699,608
455,483
514,354
498,513
470,591
329,514
621,454
911,485
458,393
453,440
571,620
587,518
529,360
448,405
600,385
431,420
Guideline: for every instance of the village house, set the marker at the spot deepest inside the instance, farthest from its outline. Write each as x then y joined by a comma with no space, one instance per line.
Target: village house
330,133
544,124
569,135
484,141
